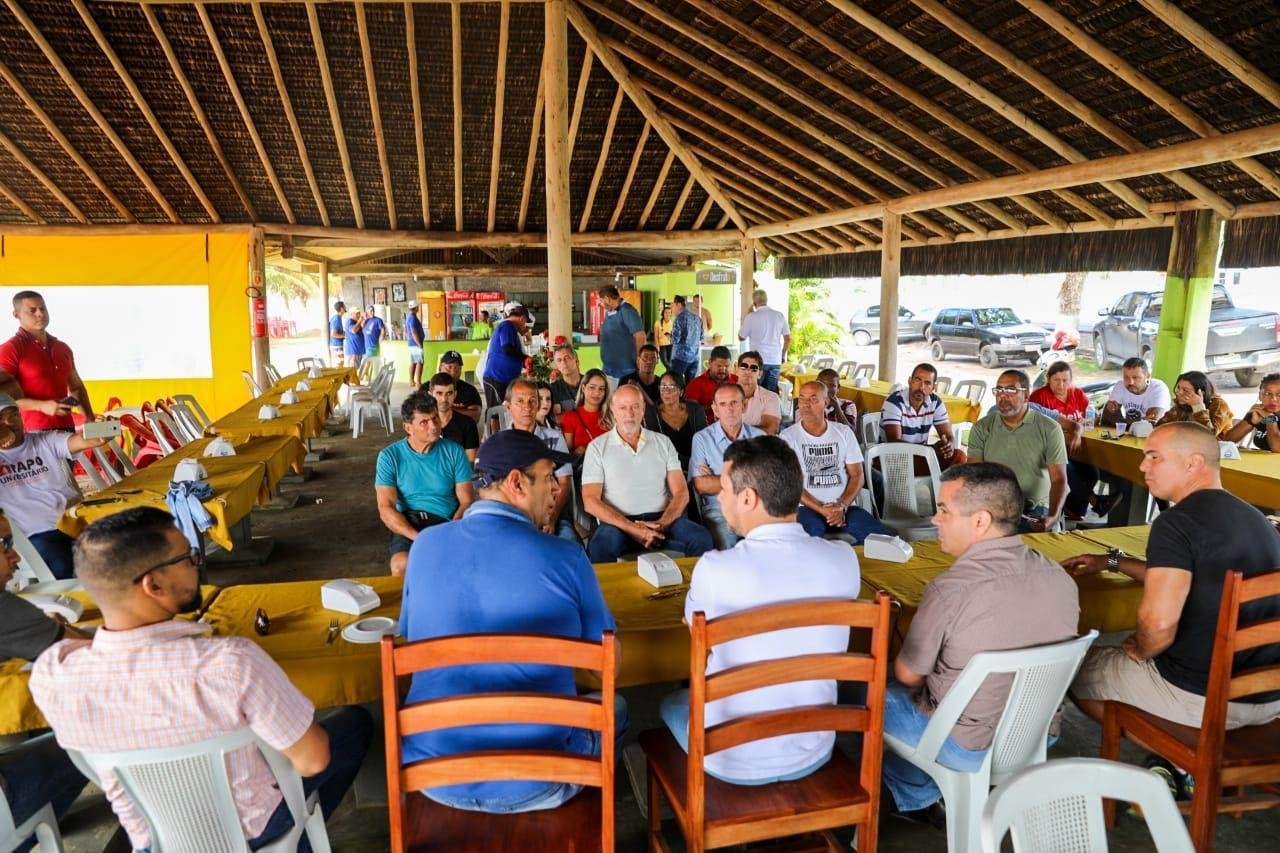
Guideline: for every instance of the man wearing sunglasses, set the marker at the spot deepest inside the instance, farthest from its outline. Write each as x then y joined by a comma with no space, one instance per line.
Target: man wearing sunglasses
763,408
148,680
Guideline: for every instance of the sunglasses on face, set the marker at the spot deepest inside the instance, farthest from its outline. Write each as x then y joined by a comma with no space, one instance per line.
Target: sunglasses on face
754,368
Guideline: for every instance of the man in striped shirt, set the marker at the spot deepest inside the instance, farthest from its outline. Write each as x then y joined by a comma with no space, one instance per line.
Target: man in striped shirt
149,681
910,413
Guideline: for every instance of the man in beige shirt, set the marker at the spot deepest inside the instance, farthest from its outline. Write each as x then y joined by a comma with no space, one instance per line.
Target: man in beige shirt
998,595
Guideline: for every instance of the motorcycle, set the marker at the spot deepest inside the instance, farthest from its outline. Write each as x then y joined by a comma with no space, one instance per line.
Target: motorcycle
1063,348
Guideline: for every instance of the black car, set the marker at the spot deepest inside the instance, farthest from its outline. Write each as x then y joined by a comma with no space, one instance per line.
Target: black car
994,335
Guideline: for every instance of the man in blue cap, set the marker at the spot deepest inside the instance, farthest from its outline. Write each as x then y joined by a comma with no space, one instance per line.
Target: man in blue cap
494,571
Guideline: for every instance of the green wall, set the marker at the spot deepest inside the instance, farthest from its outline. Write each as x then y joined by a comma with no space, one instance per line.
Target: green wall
719,299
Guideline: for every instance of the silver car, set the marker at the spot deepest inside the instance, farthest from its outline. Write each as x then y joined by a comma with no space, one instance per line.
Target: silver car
864,325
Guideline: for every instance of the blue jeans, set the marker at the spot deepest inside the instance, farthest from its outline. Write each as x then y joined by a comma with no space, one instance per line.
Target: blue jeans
35,773
54,547
858,523
564,530
769,376
675,713
911,787
609,543
556,794
714,521
686,370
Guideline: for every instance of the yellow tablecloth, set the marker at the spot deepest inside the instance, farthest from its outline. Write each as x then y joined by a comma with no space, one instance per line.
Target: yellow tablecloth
279,453
237,485
330,380
1254,477
302,420
655,641
18,711
871,398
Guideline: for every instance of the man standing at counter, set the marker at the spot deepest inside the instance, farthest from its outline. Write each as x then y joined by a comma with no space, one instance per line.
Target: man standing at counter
621,336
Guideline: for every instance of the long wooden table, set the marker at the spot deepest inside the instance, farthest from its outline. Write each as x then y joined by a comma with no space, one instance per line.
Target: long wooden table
872,397
303,420
331,380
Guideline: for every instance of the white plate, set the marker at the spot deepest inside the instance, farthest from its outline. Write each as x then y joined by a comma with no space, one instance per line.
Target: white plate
369,630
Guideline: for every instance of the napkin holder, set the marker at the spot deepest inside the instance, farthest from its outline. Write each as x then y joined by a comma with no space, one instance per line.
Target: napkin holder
1228,450
348,596
268,413
70,609
1140,429
189,470
657,569
303,385
288,398
862,382
314,373
888,549
220,446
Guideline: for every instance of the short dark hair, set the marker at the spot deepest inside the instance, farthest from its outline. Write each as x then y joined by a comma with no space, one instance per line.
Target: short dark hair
733,385
441,380
648,348
1197,380
520,382
337,306
563,347
926,366
678,298
1270,379
767,464
111,551
751,354
720,352
1056,368
420,402
24,295
992,487
828,373
1024,381
1131,363
609,291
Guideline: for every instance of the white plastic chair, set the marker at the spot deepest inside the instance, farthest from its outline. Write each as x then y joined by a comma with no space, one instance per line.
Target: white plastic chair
903,509
869,432
188,424
157,420
95,476
960,432
376,398
251,383
864,371
308,363
822,362
942,385
43,825
846,369
33,574
1056,807
486,423
273,375
787,393
1040,679
190,401
185,794
368,371
108,464
973,389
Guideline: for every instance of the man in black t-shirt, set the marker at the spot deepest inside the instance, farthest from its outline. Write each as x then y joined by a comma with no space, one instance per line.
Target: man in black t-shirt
458,427
468,399
1163,667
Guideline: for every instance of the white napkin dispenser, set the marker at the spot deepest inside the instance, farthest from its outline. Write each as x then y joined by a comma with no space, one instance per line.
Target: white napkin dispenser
1228,450
889,549
314,373
220,446
862,382
70,609
657,569
188,471
288,398
1141,429
303,385
268,413
348,596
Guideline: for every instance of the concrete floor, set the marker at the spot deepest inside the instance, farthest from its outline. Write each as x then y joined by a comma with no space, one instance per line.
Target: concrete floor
333,531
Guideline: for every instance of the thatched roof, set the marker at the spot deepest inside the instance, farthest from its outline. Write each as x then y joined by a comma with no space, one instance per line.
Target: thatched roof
238,113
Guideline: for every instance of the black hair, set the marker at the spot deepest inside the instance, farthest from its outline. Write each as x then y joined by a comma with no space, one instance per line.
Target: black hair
926,366
441,380
111,551
1197,380
420,402
24,295
1131,363
767,464
752,354
992,487
720,352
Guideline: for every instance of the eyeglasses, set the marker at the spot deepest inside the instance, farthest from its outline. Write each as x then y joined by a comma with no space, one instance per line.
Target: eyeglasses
195,555
1007,390
754,368
668,388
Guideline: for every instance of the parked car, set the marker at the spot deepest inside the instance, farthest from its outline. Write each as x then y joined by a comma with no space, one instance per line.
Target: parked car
994,335
864,325
1243,340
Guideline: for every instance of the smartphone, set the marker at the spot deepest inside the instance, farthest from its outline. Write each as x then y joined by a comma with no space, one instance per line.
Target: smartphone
102,429
69,401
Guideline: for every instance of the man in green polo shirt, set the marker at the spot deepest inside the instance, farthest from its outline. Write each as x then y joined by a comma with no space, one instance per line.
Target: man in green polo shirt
1028,442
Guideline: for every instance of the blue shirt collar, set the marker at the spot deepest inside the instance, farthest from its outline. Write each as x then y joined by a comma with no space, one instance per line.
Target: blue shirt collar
491,507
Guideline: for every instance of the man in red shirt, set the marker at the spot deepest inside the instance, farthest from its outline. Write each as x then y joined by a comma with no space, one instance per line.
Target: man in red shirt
44,368
702,388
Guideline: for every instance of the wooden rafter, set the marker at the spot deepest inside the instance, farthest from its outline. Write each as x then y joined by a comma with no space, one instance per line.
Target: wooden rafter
681,201
702,214
455,30
87,104
631,174
198,111
245,115
638,97
18,154
774,208
657,189
282,90
499,101
986,97
135,94
1091,117
419,132
375,112
335,117
602,160
18,202
580,98
58,136
532,156
1157,94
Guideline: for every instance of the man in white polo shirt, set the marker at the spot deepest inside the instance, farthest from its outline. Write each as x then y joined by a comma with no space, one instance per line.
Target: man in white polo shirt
910,413
767,333
776,561
632,482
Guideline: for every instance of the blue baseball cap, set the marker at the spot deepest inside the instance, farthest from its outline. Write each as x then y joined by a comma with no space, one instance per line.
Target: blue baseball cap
505,451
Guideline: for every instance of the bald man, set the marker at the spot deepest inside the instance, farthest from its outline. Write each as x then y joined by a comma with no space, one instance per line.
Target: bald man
1163,667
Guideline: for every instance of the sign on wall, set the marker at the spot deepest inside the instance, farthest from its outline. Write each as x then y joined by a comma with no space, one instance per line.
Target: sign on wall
717,277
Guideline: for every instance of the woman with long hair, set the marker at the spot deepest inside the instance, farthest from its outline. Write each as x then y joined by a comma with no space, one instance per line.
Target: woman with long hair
675,417
590,416
1195,399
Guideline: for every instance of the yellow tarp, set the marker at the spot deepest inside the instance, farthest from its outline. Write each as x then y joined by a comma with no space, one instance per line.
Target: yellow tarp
871,398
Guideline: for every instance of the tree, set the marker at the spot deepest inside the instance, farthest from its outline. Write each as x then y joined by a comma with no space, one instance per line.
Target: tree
1069,300
814,328
291,286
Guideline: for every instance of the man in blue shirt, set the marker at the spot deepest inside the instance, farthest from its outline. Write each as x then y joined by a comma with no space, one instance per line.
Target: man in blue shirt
353,338
706,460
621,336
335,332
505,359
686,338
374,328
422,480
462,580
414,335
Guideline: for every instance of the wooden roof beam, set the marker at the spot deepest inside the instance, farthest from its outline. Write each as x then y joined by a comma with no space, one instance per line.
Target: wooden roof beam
455,29
1091,117
602,160
580,97
638,97
509,270
1184,155
702,214
335,117
532,157
636,154
681,201
499,103
1157,94
18,202
657,189
87,104
776,209
375,112
47,182
419,132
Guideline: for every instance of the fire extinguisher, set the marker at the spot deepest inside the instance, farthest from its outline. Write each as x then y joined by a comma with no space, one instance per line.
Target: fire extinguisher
257,312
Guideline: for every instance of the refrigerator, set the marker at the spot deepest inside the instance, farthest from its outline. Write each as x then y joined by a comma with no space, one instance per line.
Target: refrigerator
433,312
462,312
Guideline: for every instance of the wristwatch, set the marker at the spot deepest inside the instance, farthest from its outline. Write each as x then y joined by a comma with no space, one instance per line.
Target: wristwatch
1113,559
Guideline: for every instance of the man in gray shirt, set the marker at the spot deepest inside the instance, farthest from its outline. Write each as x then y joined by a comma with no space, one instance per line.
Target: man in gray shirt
998,595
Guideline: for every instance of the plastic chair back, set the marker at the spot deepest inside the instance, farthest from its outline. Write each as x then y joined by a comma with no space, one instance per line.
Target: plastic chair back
942,385
498,413
368,369
166,432
190,401
113,461
251,384
187,422
846,369
273,375
33,572
1056,807
308,363
822,362
865,371
85,458
43,825
903,510
972,389
869,432
185,794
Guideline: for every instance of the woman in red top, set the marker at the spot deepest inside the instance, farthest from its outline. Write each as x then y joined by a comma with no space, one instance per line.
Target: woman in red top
1070,403
590,416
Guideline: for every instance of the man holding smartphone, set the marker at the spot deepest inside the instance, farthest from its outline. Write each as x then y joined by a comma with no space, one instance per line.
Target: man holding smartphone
43,367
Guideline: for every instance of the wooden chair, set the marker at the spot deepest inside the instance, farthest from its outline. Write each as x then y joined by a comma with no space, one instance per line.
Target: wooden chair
420,824
1215,757
712,813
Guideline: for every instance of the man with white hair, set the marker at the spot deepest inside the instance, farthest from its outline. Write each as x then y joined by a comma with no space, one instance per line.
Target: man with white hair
766,331
632,482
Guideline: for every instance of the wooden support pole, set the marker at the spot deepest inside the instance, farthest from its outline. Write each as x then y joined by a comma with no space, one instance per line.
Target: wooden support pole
415,93
455,16
890,263
499,105
555,77
1188,294
261,343
747,276
375,111
324,307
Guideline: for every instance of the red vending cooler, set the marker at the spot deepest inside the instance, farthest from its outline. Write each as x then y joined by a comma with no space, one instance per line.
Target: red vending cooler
462,311
491,301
